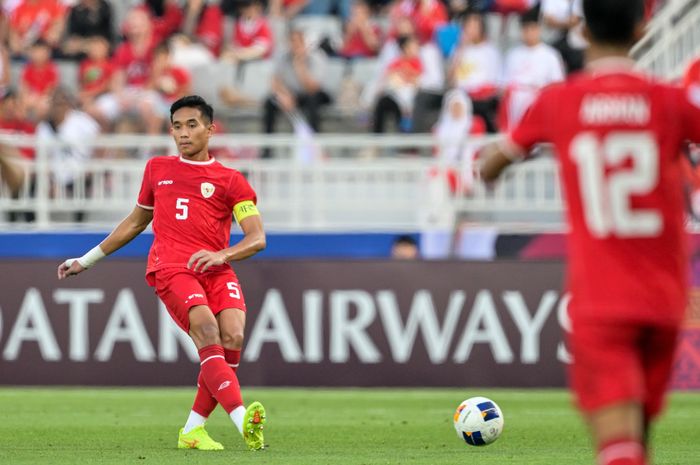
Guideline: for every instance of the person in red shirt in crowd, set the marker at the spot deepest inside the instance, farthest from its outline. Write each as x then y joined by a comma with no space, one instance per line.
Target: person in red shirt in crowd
13,120
166,16
132,74
426,16
33,20
252,37
362,35
205,21
192,199
173,82
95,72
618,136
39,78
400,86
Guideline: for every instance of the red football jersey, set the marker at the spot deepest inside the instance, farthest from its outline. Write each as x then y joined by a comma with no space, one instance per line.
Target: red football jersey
192,206
618,136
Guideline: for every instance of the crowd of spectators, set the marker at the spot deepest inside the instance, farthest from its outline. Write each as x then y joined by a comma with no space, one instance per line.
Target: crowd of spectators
131,66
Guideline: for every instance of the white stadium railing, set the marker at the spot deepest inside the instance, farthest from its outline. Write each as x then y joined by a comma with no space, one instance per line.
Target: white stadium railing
335,182
672,40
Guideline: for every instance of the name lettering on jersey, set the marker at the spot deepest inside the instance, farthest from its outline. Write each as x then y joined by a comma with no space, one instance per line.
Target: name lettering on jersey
607,109
165,181
207,189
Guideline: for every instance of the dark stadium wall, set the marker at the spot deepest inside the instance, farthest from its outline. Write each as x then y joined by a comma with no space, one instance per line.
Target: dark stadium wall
310,323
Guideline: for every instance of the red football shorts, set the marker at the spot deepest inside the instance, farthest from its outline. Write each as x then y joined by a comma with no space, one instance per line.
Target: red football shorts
181,289
621,362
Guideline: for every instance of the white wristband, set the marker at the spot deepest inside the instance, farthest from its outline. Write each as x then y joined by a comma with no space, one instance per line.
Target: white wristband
89,259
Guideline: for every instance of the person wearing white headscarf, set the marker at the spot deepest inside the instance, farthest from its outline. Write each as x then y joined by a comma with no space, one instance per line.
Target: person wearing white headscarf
451,132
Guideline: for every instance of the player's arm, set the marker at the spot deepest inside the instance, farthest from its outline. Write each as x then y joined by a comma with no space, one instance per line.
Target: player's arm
129,228
532,129
253,241
496,157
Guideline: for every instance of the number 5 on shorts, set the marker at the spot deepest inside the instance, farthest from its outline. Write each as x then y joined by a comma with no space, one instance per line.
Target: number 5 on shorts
235,291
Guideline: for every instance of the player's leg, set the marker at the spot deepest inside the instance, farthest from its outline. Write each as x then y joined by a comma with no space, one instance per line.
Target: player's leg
179,291
226,297
607,378
658,354
253,418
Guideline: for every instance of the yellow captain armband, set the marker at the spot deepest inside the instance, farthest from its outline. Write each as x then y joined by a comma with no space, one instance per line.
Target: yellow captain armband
243,210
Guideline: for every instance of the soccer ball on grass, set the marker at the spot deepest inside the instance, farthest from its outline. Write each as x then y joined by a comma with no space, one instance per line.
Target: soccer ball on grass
478,421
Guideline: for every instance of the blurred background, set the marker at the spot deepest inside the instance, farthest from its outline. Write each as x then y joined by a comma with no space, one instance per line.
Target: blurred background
357,123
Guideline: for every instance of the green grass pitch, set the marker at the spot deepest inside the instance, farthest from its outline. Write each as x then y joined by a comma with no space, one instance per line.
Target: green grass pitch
314,426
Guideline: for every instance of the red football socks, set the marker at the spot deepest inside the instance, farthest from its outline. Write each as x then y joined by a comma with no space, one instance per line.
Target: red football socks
219,378
622,452
204,402
233,358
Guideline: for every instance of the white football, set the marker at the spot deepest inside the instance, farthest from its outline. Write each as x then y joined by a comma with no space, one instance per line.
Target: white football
478,421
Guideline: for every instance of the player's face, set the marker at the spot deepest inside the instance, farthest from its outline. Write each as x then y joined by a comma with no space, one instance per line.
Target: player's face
191,132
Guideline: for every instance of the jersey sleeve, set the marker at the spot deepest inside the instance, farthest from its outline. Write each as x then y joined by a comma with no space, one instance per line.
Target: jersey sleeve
691,113
239,190
532,128
145,199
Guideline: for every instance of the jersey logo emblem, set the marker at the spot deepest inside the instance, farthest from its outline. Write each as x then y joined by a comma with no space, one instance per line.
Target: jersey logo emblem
207,189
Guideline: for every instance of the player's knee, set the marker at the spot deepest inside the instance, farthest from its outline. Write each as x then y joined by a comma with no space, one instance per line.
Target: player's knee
232,339
205,334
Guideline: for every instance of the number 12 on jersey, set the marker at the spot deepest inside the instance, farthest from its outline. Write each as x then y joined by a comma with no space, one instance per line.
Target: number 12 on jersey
605,196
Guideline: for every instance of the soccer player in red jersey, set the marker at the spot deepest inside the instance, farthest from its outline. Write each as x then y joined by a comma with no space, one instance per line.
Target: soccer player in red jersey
191,199
618,136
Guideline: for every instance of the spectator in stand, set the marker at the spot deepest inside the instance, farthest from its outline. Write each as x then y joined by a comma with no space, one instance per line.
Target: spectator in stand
166,15
33,20
65,124
95,72
297,83
563,30
252,37
400,87
13,119
172,82
39,79
132,73
362,36
529,67
87,19
476,68
205,22
426,15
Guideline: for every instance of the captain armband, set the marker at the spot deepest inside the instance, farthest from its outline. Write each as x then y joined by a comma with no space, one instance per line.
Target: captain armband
243,210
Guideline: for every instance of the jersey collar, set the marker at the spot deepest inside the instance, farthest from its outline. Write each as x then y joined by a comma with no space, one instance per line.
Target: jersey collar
192,162
612,65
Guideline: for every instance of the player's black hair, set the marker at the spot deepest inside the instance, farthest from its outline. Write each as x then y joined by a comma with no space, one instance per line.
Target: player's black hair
613,21
193,101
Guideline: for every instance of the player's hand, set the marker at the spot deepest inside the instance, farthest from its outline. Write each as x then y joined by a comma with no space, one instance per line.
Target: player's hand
204,259
70,267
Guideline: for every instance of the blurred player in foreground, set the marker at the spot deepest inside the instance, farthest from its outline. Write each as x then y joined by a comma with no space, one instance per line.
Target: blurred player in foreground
618,136
191,199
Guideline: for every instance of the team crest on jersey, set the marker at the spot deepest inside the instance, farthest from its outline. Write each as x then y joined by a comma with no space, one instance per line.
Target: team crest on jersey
207,189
